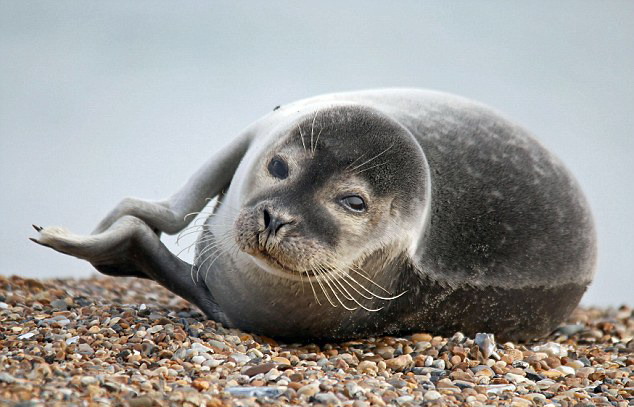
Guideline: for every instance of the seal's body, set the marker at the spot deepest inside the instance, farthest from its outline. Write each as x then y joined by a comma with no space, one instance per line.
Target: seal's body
368,213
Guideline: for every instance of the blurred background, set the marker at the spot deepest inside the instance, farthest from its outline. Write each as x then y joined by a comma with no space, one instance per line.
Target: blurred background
102,100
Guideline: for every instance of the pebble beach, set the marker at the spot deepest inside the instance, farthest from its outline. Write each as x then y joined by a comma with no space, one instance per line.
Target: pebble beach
129,342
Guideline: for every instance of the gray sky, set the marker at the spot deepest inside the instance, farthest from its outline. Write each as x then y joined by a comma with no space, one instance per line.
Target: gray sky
102,100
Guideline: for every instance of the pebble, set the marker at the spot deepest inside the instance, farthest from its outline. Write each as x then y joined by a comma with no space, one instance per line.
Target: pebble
404,400
308,390
514,378
59,304
257,392
367,366
575,364
399,363
353,390
439,364
499,388
26,336
570,329
486,342
240,358
134,343
85,349
6,378
88,380
432,395
72,340
259,369
552,349
281,360
272,375
566,370
328,399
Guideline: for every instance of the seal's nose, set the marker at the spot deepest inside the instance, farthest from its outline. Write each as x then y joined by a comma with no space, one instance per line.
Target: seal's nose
273,223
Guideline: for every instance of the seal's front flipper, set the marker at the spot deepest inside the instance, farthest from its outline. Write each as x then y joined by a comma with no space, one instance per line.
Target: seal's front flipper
131,248
173,214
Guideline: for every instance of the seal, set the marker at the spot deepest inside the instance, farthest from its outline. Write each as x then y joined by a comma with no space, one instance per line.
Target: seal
366,213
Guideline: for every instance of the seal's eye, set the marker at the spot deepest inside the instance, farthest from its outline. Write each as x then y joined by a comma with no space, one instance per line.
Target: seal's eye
354,203
278,168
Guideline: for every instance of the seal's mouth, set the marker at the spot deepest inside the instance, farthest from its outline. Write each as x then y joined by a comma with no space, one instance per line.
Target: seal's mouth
272,261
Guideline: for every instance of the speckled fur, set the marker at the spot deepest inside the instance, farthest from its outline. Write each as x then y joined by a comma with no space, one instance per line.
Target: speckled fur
507,246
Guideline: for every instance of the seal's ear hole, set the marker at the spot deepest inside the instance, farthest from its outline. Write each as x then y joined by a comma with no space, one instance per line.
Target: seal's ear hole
278,168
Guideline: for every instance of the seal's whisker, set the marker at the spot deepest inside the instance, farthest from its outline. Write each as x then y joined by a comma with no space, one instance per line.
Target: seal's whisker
188,248
317,140
325,287
210,238
373,294
189,232
373,158
222,251
217,253
328,282
190,228
336,283
216,249
301,134
369,168
193,214
216,242
343,275
312,131
364,275
313,289
203,219
318,279
224,237
356,159
199,227
351,297
198,256
207,249
392,297
301,279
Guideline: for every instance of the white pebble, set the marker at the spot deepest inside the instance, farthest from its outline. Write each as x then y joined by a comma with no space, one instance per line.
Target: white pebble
567,370
552,349
200,347
432,395
72,340
27,335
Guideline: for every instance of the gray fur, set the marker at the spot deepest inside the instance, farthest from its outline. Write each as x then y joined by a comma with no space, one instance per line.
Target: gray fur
475,223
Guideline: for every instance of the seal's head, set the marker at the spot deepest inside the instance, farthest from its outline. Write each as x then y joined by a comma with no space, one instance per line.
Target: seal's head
335,187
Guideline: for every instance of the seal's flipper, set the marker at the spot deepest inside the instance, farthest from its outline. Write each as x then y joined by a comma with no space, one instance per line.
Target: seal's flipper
171,215
131,248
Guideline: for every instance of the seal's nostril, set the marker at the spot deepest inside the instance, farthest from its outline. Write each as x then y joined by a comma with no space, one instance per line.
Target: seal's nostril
278,225
273,223
267,218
